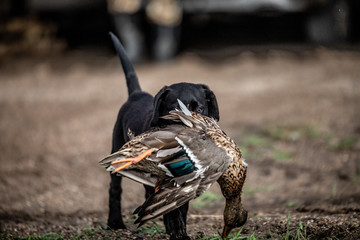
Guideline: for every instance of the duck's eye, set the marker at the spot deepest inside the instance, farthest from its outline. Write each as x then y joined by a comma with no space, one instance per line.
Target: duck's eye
203,136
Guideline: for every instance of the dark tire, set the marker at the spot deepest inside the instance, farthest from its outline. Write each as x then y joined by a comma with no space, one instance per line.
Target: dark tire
166,42
329,24
128,28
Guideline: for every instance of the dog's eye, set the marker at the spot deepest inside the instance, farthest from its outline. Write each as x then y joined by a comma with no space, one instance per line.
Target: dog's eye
199,109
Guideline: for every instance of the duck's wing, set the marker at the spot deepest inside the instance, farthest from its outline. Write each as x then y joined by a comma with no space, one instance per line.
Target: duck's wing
149,156
162,141
169,195
162,138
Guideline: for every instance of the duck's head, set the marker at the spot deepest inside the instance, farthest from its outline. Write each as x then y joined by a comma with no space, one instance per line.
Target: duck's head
231,184
234,215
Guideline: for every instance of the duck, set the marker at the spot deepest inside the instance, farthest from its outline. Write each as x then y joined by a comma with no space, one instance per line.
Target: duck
181,161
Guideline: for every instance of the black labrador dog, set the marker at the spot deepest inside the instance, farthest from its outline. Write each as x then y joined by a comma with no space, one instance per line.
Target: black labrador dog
141,112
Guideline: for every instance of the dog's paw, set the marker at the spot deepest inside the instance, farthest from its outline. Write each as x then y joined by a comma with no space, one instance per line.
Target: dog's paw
183,237
115,225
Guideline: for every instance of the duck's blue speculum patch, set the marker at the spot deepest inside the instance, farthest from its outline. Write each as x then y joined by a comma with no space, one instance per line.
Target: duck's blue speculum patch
181,168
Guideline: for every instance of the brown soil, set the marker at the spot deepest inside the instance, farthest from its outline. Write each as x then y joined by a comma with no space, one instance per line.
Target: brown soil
294,111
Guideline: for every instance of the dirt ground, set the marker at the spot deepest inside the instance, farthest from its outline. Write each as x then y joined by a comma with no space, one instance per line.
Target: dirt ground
293,111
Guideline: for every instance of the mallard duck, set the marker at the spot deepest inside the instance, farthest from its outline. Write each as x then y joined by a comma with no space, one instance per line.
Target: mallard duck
231,184
181,161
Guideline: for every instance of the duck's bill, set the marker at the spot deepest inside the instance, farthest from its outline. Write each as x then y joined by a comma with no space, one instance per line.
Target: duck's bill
226,231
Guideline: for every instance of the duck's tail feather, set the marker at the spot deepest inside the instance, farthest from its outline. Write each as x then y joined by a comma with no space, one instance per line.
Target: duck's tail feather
166,198
140,177
107,161
185,110
191,119
132,80
180,116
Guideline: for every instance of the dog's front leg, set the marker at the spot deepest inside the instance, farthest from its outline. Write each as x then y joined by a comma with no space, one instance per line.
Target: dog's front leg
115,220
175,223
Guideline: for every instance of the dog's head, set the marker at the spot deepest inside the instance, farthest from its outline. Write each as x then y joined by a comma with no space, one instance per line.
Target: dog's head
197,97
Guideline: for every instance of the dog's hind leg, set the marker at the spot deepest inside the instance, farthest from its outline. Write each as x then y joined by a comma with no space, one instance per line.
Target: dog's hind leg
115,220
175,223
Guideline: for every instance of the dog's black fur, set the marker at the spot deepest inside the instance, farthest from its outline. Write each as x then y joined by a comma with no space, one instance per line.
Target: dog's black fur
140,113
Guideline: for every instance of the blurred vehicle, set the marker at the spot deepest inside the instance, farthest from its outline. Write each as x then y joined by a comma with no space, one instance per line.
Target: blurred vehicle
153,26
325,21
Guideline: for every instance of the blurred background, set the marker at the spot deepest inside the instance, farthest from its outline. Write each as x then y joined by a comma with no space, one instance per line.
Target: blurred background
159,29
286,75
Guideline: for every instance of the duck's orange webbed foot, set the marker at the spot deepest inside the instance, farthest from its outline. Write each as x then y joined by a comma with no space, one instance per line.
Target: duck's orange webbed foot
129,161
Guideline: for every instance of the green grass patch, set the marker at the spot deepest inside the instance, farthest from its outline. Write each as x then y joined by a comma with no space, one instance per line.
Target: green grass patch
292,133
282,156
264,142
291,204
251,191
254,141
87,233
235,236
276,133
333,193
250,153
46,236
152,229
300,234
334,190
345,143
252,146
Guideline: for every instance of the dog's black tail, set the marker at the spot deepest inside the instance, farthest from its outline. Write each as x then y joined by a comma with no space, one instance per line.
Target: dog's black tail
132,81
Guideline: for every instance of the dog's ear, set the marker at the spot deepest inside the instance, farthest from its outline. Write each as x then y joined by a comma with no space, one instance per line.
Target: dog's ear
213,109
158,103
